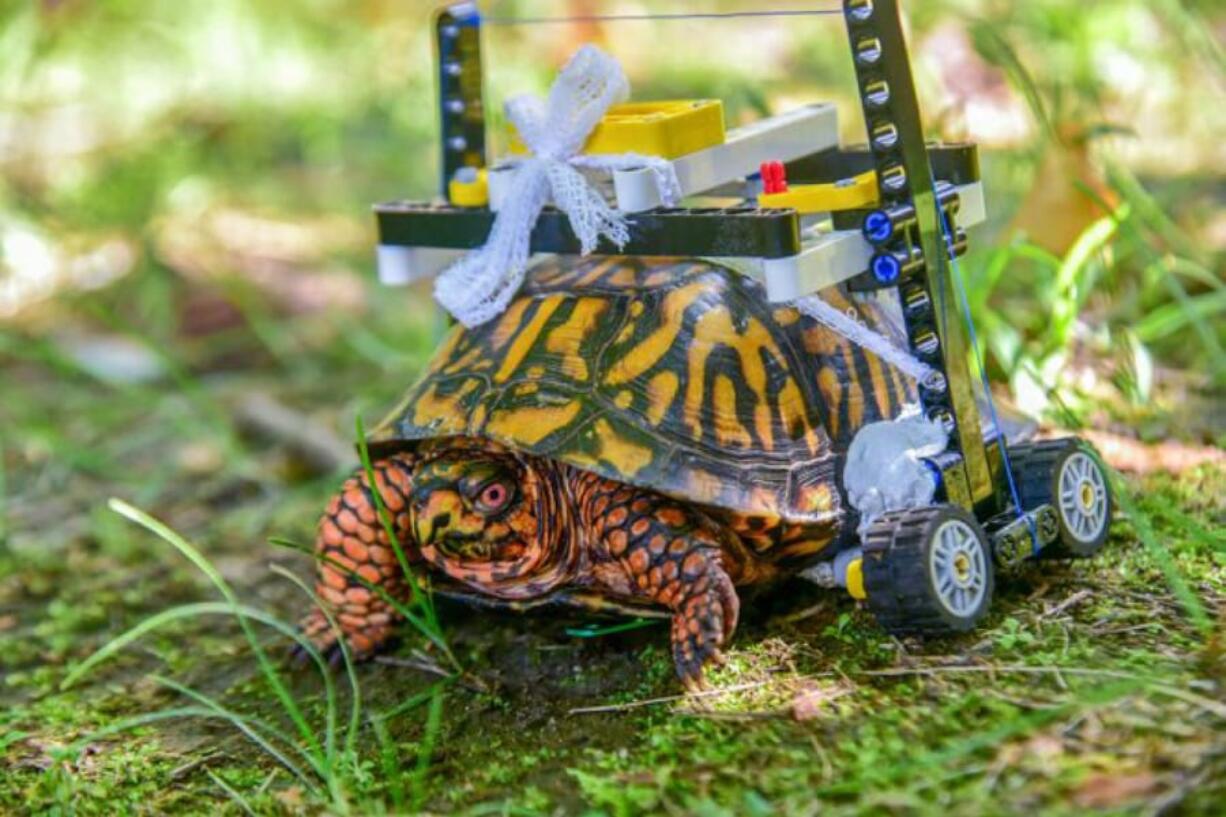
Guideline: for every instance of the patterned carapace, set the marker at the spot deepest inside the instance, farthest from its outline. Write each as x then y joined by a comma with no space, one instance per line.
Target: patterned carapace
631,433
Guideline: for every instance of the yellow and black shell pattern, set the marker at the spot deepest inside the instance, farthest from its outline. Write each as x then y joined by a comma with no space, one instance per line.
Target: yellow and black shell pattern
673,375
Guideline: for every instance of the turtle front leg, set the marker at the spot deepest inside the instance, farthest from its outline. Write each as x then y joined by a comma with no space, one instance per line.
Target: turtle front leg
654,548
354,555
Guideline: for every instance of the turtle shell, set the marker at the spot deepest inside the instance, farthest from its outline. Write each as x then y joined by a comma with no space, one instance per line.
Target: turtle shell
673,375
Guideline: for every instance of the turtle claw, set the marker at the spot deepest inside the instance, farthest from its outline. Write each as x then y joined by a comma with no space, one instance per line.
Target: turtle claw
316,629
360,643
298,655
695,685
702,625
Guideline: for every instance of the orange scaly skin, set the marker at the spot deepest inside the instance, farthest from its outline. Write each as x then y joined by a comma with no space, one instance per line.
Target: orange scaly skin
647,545
558,528
352,543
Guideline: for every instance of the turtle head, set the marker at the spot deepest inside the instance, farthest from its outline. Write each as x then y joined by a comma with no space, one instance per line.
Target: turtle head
478,516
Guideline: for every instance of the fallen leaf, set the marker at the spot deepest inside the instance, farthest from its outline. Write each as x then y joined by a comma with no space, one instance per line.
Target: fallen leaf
1131,455
1106,790
812,700
290,797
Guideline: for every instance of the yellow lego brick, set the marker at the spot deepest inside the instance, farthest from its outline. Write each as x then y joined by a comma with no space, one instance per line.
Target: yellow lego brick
669,129
855,579
474,192
847,194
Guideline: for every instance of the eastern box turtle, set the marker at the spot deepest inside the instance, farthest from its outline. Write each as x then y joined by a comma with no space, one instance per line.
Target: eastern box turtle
631,434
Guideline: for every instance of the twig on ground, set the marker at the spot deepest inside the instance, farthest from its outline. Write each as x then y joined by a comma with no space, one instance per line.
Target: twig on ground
268,781
319,445
801,615
710,693
1075,599
423,663
191,765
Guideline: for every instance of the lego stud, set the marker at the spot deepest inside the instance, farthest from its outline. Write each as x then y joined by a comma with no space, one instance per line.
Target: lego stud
878,227
454,106
885,136
917,301
886,268
457,143
774,178
926,343
894,178
868,51
877,94
453,68
935,383
860,11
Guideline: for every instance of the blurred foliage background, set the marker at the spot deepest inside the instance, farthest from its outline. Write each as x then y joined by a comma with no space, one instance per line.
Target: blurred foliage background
189,319
167,156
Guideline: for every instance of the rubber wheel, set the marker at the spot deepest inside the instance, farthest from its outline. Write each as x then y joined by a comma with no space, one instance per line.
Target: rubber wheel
928,571
1067,474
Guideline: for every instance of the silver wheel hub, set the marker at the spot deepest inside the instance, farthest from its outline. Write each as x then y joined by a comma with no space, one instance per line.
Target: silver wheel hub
1083,497
959,568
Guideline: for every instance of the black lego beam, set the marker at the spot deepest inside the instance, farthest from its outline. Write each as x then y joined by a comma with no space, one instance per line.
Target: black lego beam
727,232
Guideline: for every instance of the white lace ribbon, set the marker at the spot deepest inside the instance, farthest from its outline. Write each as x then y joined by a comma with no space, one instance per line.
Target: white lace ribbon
862,336
479,286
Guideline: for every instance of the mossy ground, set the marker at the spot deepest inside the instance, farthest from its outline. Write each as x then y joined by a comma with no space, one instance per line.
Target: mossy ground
214,162
1090,689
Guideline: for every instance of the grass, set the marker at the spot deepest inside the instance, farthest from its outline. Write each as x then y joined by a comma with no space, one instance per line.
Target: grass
327,769
897,727
141,640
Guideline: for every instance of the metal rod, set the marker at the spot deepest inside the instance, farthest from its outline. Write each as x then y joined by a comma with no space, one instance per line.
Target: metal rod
666,17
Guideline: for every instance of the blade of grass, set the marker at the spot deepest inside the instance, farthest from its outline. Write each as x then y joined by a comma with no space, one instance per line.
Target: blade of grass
271,675
1171,572
422,600
390,760
996,49
356,693
1213,540
1154,324
173,614
425,749
247,726
381,592
149,718
1150,213
239,800
415,701
1068,296
1170,318
1197,31
4,500
1192,270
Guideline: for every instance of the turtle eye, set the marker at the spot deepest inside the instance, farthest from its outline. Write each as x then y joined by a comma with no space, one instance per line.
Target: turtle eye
493,497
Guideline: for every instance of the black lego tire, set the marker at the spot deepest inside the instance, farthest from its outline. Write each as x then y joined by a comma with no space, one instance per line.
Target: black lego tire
900,582
1039,467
